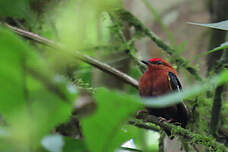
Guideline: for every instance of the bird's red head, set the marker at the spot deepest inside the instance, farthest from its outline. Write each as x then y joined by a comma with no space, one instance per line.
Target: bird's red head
156,62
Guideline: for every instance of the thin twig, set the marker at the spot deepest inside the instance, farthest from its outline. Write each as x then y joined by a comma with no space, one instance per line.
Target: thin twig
158,19
128,43
102,66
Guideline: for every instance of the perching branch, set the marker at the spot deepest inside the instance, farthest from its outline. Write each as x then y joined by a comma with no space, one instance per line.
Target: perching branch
140,28
143,125
188,135
108,69
102,66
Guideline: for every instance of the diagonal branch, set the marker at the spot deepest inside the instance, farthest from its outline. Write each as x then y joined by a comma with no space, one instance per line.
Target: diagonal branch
140,28
33,36
102,66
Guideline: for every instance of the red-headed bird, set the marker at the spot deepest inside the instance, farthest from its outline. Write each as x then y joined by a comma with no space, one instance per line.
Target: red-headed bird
161,78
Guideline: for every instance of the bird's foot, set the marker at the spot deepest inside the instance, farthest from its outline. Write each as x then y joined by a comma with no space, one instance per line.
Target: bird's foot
161,119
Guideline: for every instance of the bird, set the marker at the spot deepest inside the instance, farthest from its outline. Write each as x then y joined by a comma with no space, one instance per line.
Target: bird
160,78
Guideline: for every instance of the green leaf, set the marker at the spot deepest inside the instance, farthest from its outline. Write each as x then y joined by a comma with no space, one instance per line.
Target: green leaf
14,8
13,51
28,103
73,145
221,47
102,130
220,25
48,111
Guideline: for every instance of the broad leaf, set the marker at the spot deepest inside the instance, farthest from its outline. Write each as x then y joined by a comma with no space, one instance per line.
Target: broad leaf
74,145
219,48
30,103
14,8
102,130
222,46
220,25
13,52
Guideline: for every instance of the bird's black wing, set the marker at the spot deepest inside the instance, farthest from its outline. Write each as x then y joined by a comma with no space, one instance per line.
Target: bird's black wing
175,83
182,109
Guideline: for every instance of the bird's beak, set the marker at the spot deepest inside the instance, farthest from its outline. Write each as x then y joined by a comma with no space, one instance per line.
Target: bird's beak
145,62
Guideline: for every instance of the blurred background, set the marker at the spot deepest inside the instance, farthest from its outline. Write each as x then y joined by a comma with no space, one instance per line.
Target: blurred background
169,20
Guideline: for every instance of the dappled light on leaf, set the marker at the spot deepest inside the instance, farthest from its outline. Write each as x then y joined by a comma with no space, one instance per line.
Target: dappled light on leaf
29,104
113,110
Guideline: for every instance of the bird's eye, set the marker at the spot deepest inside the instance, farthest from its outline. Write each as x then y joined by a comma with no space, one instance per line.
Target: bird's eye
157,62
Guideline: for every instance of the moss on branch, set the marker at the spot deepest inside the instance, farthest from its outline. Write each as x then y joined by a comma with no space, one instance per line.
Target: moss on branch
127,44
142,30
189,136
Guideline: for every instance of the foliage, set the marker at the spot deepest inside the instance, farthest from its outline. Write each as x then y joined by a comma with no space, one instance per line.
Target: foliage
41,87
19,9
112,111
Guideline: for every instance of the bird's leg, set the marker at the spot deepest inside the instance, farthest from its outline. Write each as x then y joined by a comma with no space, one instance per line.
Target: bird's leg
161,119
170,120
